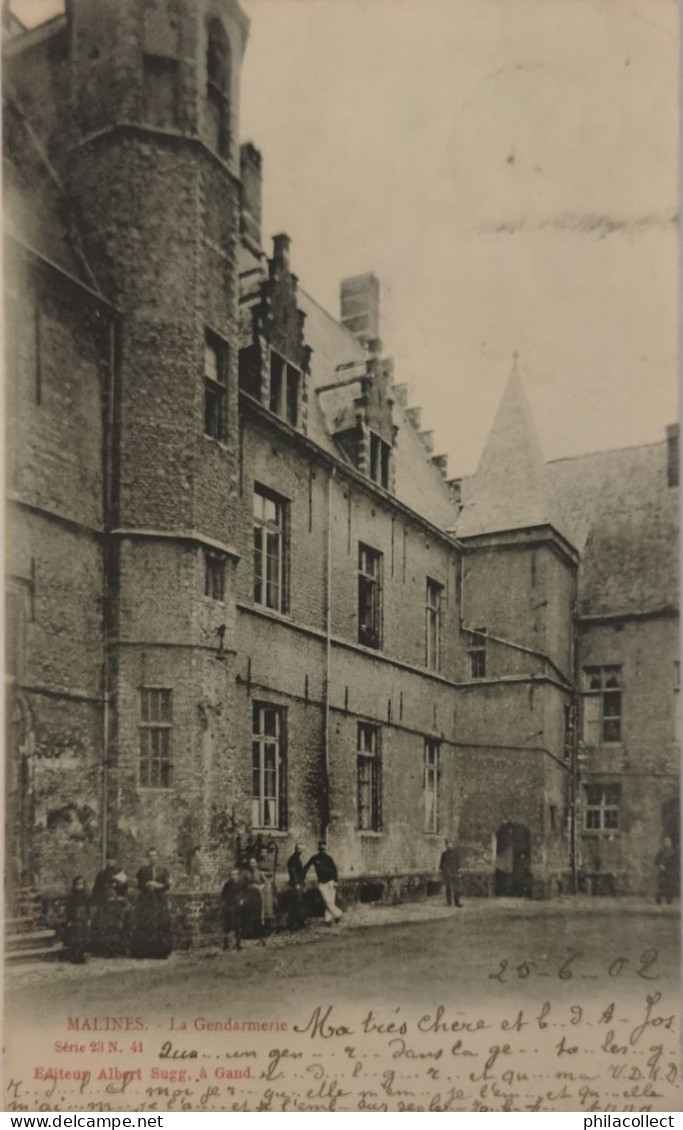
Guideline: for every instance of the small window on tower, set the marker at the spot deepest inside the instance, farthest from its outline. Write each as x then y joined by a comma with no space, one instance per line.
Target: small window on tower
218,87
215,383
214,575
160,91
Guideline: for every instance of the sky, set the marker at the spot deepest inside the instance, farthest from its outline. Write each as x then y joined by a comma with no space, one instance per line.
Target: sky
509,171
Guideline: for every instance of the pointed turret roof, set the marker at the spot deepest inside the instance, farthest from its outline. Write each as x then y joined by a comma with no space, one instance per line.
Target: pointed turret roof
512,488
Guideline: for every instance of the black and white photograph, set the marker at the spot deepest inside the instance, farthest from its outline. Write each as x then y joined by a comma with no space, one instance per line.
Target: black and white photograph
341,544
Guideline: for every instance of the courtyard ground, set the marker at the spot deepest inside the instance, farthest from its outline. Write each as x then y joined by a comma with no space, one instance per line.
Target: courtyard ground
412,951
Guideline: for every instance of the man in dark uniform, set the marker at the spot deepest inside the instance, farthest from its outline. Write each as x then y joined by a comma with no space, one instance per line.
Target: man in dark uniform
326,874
297,883
667,863
449,866
110,924
232,898
152,931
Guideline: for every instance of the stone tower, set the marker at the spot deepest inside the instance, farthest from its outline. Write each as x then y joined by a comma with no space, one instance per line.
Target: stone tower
154,173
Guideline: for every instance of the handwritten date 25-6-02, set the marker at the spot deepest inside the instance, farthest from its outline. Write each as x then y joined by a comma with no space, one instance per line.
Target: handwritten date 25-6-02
645,966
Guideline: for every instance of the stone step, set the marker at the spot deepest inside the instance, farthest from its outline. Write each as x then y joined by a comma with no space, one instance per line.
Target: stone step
20,958
28,939
15,924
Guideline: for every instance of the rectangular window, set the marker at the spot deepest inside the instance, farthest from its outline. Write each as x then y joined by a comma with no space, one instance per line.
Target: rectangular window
602,807
380,453
433,625
214,575
431,785
369,776
602,705
16,627
284,389
292,405
160,91
369,596
569,729
217,110
677,701
270,517
215,384
268,759
476,650
156,717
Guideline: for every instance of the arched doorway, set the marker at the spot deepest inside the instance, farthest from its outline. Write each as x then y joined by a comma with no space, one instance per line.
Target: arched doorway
513,861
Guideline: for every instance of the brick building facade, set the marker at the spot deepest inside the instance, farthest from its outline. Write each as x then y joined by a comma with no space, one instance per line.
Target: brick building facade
243,596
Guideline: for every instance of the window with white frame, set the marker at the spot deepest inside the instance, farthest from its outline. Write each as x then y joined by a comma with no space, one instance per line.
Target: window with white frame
270,527
476,651
154,729
602,807
268,753
602,705
432,771
369,778
369,596
433,625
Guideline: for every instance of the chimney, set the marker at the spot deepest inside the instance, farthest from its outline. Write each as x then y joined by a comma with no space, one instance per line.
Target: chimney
360,309
281,246
672,455
250,174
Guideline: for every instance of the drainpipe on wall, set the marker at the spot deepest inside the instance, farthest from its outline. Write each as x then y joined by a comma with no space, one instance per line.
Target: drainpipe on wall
328,659
108,496
574,782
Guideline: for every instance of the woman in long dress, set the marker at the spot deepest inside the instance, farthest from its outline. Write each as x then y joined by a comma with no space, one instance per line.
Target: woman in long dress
252,903
152,936
109,924
77,925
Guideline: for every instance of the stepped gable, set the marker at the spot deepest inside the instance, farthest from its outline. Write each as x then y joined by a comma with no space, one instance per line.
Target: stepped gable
418,482
512,488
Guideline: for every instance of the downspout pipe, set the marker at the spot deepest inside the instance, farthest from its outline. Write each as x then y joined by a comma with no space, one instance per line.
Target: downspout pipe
328,659
107,578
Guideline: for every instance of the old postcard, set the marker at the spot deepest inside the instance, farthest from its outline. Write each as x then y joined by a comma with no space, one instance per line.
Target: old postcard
343,679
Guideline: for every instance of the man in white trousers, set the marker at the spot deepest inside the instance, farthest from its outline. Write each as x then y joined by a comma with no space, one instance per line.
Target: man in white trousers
326,874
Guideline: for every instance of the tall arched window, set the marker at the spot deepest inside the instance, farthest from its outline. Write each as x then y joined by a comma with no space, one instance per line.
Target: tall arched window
218,86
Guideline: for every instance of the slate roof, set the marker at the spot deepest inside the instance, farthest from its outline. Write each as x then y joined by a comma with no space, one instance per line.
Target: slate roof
623,518
614,507
419,484
336,356
511,489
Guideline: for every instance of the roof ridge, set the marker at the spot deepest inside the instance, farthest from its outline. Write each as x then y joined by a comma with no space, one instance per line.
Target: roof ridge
608,451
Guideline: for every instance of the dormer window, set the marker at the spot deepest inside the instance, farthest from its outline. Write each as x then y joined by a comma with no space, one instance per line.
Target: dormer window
380,454
218,87
285,387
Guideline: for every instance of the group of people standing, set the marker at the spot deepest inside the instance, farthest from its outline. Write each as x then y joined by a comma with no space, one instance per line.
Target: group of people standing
115,920
248,896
